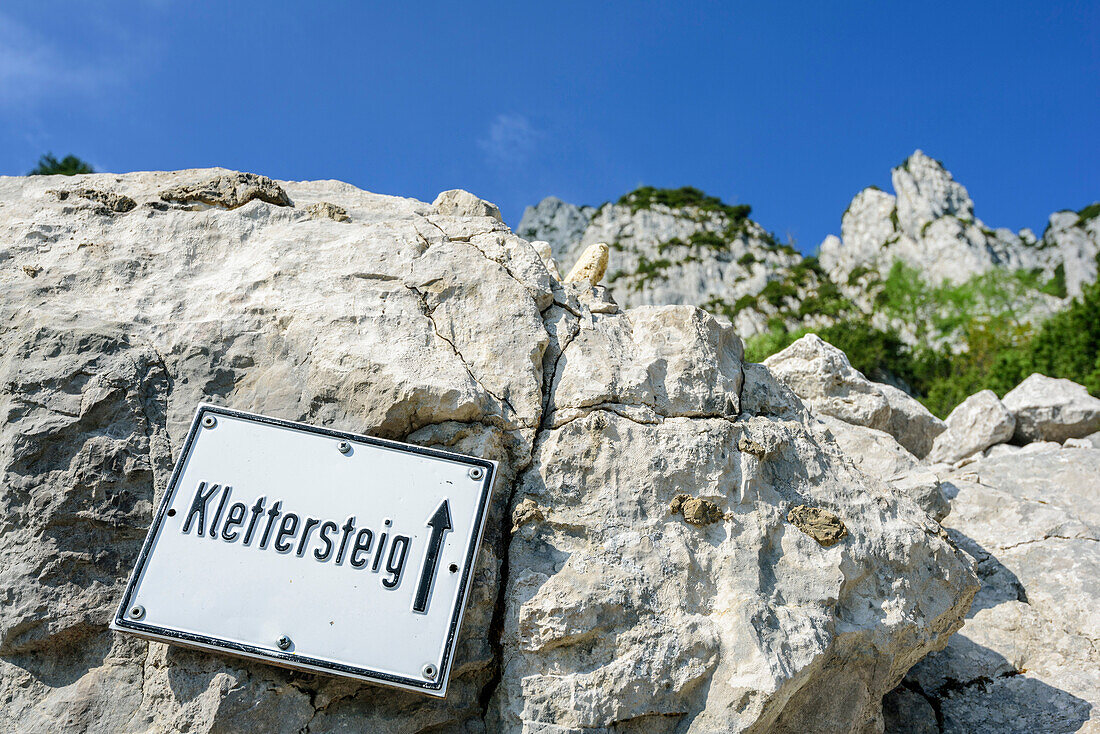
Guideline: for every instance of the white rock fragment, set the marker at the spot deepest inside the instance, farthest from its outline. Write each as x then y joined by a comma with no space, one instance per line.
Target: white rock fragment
1052,409
974,425
459,203
821,375
591,265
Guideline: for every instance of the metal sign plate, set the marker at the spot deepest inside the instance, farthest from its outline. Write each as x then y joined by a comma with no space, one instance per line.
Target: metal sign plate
312,548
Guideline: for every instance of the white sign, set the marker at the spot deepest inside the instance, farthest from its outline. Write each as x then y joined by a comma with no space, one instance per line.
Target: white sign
312,548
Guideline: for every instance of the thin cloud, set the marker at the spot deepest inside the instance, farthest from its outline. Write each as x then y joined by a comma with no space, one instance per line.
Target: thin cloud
510,141
33,69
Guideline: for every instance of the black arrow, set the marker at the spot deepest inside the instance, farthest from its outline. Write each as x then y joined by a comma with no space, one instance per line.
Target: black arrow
440,523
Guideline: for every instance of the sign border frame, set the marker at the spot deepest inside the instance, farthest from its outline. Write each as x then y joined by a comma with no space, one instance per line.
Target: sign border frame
437,687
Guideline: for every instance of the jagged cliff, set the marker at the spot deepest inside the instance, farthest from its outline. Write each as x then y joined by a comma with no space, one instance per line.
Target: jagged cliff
682,246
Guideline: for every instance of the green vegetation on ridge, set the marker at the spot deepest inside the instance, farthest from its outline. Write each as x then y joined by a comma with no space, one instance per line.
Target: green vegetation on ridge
999,348
70,165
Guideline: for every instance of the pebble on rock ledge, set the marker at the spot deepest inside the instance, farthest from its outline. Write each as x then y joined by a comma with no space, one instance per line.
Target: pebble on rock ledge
695,511
821,525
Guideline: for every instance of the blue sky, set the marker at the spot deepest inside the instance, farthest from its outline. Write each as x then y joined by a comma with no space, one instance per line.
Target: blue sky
791,108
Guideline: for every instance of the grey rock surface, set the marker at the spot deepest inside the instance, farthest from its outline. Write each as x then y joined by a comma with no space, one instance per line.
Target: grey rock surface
735,269
660,255
822,376
1027,658
929,224
602,611
977,423
1052,409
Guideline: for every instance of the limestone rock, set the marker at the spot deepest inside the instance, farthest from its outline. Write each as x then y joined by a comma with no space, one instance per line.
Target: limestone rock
601,611
326,210
459,203
1026,659
107,201
875,452
821,375
821,525
229,190
591,265
684,256
556,222
1052,409
974,425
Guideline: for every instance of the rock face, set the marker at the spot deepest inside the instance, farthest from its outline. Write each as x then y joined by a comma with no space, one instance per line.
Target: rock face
790,591
821,375
1052,409
1027,657
974,425
685,248
929,224
703,253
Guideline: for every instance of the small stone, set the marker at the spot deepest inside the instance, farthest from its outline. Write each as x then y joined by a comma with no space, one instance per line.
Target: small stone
748,446
108,202
591,266
32,270
325,210
695,511
459,203
525,512
821,525
229,191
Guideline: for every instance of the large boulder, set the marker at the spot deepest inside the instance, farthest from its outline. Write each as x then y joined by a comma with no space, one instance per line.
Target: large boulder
822,376
1027,658
674,542
974,425
1052,409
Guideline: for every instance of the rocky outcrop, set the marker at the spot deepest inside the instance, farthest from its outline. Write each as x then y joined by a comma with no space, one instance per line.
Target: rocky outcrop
701,252
821,375
974,425
1027,657
929,224
681,246
789,592
1052,409
229,190
459,203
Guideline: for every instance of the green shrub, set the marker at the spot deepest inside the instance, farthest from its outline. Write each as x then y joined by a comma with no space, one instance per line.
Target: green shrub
1089,212
70,165
646,197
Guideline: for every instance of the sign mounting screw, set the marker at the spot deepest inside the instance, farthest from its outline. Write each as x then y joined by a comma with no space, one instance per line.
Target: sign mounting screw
137,612
476,473
209,421
345,447
429,671
283,642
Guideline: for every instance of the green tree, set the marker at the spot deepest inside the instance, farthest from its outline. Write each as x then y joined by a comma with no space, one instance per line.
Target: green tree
70,165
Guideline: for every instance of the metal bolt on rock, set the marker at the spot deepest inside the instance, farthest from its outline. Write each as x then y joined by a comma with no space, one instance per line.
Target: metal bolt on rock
137,612
209,421
345,447
429,671
477,473
283,642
